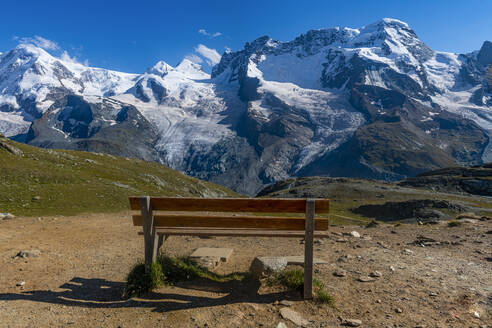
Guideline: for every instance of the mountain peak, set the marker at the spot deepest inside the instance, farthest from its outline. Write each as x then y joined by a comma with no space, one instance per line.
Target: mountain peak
191,69
485,54
394,22
161,68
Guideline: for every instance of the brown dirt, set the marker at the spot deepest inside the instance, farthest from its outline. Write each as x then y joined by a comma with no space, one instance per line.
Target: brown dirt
78,280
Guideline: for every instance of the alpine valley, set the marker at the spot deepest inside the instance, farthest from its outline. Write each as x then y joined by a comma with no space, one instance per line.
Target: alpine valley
372,102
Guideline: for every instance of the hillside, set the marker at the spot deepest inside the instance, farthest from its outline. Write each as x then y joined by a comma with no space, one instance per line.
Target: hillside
475,180
36,181
363,200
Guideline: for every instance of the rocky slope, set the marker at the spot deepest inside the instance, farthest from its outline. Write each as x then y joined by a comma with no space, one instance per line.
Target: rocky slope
371,102
476,180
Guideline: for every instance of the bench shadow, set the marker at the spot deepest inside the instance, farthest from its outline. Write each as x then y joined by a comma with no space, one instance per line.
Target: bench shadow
101,293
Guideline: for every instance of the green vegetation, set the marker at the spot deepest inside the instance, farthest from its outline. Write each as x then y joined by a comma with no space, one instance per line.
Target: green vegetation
454,223
36,181
324,297
139,282
185,269
294,279
170,270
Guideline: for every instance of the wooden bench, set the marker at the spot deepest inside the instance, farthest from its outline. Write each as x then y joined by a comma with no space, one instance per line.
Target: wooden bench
243,217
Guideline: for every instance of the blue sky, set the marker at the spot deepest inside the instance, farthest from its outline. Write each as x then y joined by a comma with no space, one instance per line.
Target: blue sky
133,35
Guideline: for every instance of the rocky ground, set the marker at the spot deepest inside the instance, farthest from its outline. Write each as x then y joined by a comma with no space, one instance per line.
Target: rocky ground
427,276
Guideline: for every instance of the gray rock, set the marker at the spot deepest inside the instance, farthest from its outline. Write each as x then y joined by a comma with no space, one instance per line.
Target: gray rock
293,316
375,274
207,262
6,216
11,149
267,265
355,234
281,325
29,253
366,279
340,273
351,322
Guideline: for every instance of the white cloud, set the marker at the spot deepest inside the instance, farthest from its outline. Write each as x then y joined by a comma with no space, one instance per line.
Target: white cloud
66,57
211,56
212,35
194,58
39,41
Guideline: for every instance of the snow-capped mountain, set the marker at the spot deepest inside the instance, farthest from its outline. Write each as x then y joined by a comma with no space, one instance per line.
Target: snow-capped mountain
374,102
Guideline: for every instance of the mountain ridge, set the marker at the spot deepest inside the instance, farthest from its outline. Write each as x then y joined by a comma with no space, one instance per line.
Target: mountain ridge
373,102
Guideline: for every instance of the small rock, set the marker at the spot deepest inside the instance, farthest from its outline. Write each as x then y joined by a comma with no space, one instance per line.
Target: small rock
372,224
6,216
366,279
351,322
286,303
293,316
398,310
468,220
392,268
433,294
408,251
383,245
22,283
355,234
345,258
267,265
29,253
378,301
36,198
476,315
375,274
340,273
281,325
341,240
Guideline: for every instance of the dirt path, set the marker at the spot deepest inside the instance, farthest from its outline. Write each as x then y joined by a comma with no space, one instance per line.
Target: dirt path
78,279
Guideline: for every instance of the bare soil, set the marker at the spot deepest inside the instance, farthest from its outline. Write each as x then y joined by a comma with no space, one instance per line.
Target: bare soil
78,280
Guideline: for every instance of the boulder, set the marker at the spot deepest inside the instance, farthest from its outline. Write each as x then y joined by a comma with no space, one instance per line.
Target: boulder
267,265
293,316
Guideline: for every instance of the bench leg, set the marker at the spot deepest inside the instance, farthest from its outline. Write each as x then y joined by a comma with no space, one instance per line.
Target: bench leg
162,239
150,236
308,250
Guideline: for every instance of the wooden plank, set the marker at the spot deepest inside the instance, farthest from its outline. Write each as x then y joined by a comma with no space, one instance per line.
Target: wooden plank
253,205
257,222
234,232
309,249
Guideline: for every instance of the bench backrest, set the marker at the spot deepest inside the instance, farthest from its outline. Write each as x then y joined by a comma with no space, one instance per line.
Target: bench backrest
228,213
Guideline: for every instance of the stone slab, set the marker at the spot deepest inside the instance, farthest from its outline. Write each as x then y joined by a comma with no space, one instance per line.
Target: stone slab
222,253
299,260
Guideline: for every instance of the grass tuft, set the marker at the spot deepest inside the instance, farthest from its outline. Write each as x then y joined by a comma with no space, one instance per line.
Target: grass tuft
291,278
454,223
170,270
324,297
294,279
139,282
